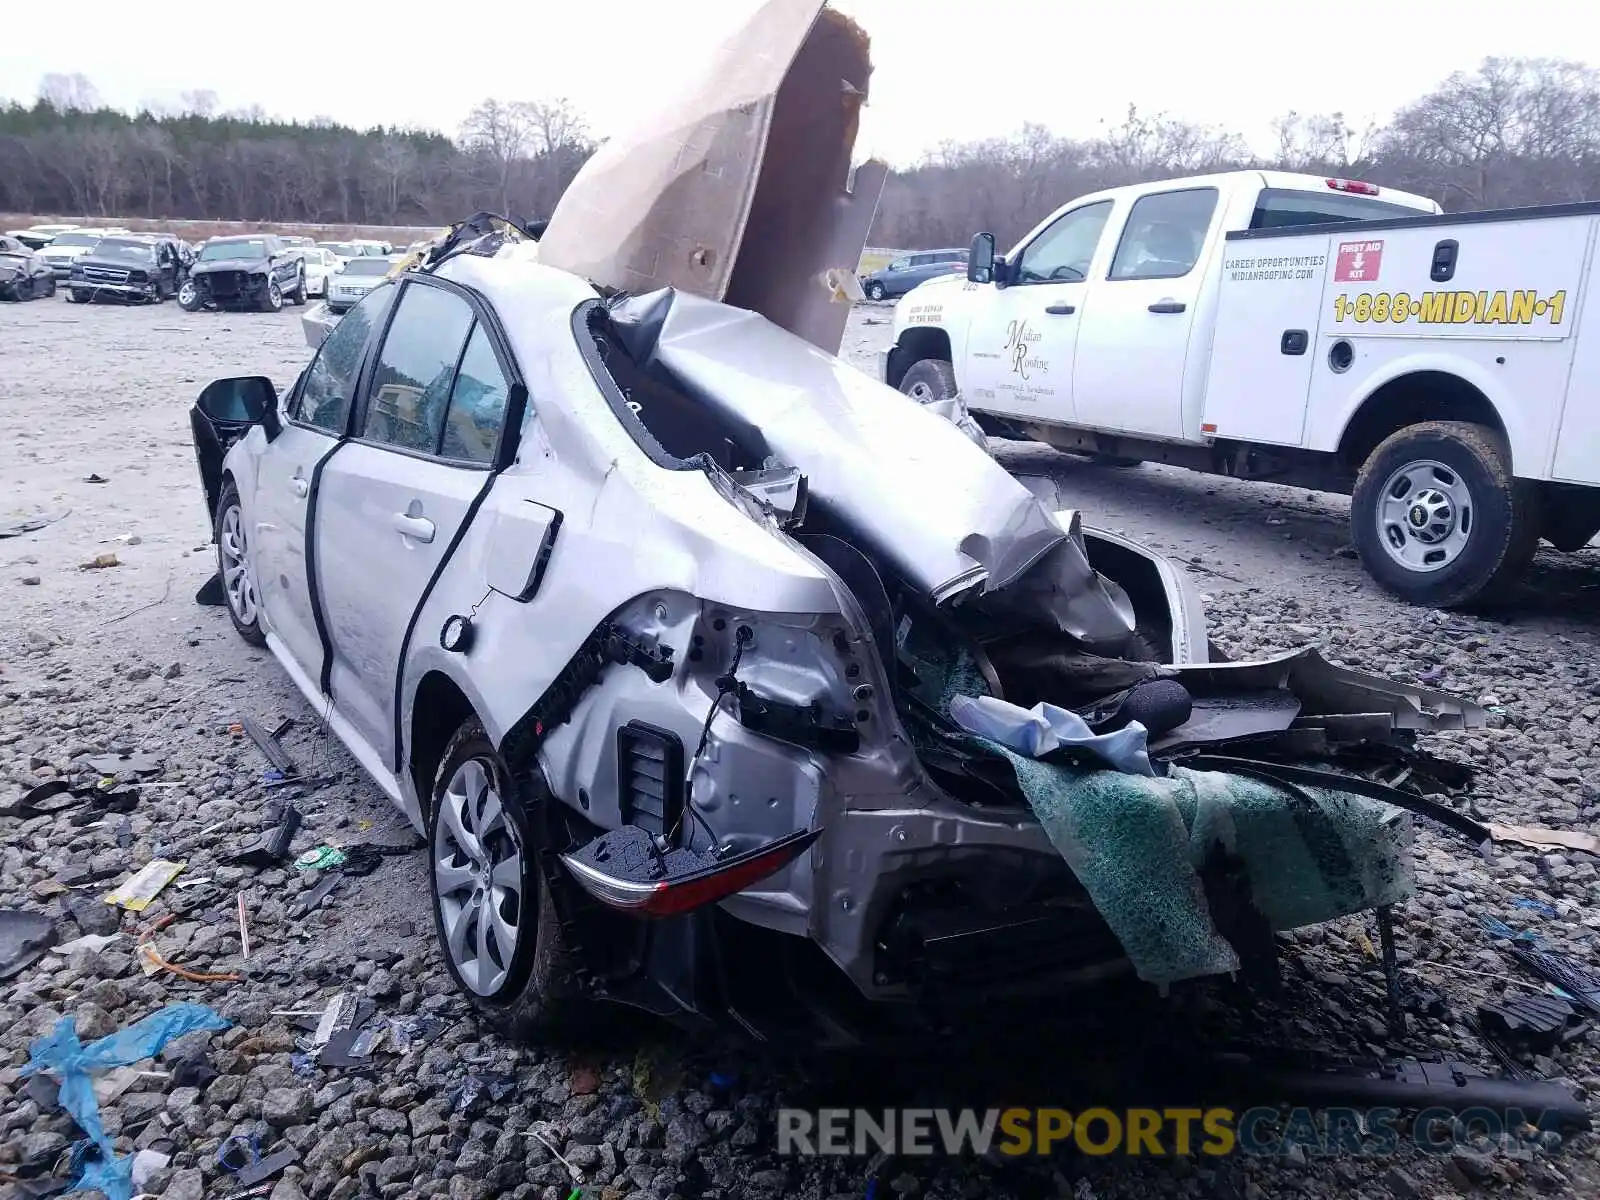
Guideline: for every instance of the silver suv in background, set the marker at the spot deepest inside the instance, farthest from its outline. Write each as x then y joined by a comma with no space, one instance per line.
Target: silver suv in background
905,272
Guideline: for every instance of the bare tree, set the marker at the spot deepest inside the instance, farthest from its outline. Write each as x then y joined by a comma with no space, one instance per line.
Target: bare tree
199,102
69,93
500,133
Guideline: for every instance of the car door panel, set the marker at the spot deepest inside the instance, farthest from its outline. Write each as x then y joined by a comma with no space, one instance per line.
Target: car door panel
385,523
1020,357
281,513
1133,348
390,509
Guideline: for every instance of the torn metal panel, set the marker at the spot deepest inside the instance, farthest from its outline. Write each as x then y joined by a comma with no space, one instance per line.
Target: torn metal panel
736,188
948,517
1324,689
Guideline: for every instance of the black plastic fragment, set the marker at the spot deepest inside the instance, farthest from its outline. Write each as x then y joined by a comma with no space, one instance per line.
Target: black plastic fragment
265,1168
1541,1023
1582,984
269,745
24,937
271,846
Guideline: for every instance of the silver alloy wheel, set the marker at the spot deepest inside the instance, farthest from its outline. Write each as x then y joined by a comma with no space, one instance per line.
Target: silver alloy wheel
921,393
477,869
237,580
1424,515
186,293
274,295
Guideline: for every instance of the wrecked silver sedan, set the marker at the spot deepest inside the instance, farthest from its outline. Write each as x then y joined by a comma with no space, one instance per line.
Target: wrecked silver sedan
719,674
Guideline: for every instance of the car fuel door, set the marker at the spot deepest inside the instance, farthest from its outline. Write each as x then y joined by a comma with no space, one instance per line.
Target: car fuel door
395,501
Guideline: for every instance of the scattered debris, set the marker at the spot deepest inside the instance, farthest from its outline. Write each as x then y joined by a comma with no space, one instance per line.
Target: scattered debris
31,524
271,747
271,846
1578,982
1546,839
314,898
64,1056
24,938
99,562
95,477
136,892
125,764
244,932
320,859
1539,1023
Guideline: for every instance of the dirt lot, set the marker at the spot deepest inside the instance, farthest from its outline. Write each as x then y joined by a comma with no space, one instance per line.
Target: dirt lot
98,658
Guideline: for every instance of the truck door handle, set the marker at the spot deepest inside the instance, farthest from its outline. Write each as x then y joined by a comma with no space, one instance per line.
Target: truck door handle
1061,310
417,528
300,486
1168,306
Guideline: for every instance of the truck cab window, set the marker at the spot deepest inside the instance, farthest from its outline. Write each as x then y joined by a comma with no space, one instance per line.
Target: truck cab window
1063,252
1164,234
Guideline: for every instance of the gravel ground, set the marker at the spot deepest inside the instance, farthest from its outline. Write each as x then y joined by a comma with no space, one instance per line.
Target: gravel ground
97,659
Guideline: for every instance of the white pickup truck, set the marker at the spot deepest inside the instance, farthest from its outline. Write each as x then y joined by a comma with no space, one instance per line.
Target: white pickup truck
1443,369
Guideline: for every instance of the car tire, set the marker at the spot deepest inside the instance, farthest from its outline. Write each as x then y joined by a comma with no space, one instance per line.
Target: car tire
189,297
231,533
876,291
485,823
77,296
49,285
1438,519
272,298
297,297
929,380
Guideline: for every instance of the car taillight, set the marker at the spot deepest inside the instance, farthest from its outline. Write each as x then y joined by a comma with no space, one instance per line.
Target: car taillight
621,872
1356,187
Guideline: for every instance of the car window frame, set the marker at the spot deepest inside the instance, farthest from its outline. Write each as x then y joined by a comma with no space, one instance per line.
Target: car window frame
517,400
1127,224
1022,254
291,401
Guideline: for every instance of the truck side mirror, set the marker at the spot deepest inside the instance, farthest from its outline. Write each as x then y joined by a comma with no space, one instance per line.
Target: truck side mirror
980,263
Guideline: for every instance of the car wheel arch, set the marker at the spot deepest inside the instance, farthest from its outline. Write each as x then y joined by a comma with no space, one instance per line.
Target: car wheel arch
439,707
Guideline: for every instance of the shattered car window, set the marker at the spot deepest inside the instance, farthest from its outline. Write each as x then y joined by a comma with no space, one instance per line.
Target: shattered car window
416,368
325,398
477,404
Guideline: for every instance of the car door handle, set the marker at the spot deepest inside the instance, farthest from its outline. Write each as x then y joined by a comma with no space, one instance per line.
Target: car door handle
417,528
1168,306
1061,310
300,486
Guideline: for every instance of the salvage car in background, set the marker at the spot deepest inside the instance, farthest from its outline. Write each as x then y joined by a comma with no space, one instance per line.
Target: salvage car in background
66,248
320,266
24,273
355,279
138,268
255,271
37,237
705,704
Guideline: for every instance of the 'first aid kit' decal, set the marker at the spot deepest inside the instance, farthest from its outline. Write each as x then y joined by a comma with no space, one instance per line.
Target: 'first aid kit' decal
1358,262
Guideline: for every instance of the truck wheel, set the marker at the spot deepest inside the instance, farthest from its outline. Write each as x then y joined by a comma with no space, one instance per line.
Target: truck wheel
875,291
189,297
272,298
1437,517
298,296
929,381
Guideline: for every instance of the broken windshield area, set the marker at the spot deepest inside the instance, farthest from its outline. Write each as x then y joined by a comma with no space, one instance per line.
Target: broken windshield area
220,250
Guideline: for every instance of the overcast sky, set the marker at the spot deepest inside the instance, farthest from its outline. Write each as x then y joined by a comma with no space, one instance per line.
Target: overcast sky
944,68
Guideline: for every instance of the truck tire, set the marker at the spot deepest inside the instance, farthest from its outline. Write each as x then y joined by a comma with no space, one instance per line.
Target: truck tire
875,291
1437,517
929,381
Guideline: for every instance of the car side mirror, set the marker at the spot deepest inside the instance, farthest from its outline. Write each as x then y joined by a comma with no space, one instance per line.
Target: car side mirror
247,400
980,261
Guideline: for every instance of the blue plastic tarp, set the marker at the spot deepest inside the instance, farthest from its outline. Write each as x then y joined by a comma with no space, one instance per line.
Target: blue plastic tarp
71,1062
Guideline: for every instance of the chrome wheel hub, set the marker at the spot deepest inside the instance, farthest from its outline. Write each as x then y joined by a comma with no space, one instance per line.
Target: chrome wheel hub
237,580
477,870
1425,514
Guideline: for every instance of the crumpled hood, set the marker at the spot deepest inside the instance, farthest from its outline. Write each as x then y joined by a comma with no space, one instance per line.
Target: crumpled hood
739,187
949,518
